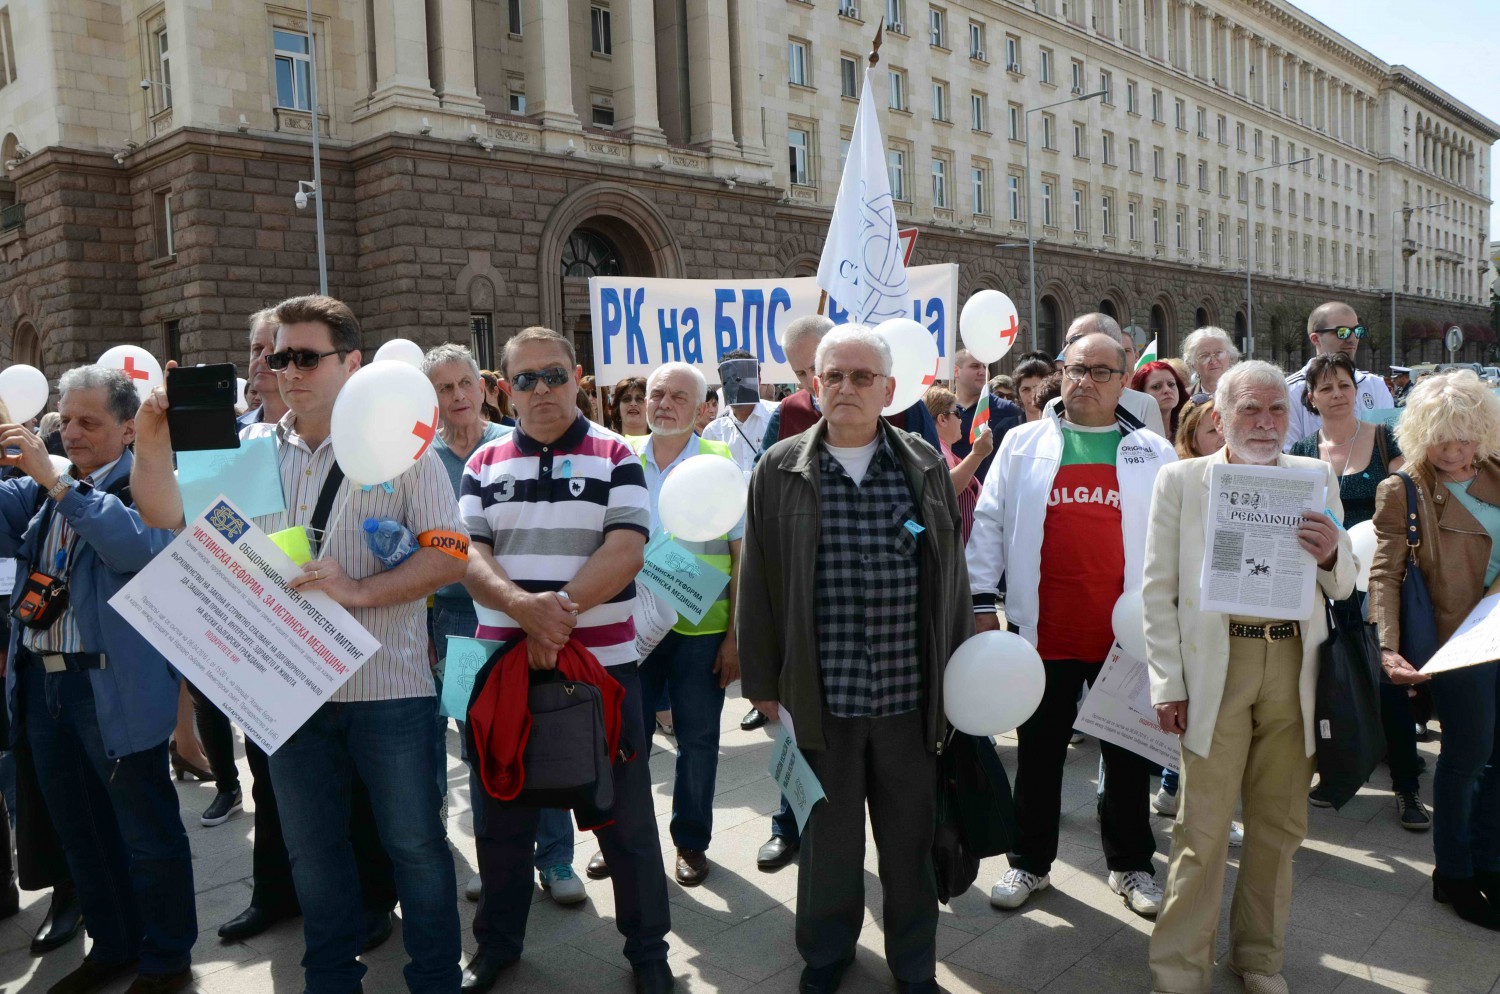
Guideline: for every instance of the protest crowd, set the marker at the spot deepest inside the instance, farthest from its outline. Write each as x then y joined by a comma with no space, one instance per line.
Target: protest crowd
887,583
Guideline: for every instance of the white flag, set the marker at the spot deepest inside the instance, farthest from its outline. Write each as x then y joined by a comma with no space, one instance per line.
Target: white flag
861,267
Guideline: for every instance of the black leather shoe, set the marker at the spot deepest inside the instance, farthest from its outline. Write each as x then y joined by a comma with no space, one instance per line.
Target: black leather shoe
251,922
753,719
10,897
378,925
64,920
1467,899
654,977
918,986
598,868
91,976
1489,885
160,983
824,979
776,853
484,969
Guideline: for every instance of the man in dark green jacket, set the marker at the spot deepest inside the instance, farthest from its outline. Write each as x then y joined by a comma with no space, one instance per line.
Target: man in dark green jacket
853,594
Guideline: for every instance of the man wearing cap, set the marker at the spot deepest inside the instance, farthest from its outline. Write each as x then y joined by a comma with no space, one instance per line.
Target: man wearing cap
1401,381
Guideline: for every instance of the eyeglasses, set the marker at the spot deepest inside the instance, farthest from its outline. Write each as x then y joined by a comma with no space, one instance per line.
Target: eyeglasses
1343,333
303,358
1218,356
1099,374
553,376
955,413
861,378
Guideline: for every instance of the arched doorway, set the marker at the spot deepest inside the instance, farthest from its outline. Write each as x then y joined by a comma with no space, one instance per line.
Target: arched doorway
1240,330
1158,324
1200,318
1048,334
585,254
26,347
1107,306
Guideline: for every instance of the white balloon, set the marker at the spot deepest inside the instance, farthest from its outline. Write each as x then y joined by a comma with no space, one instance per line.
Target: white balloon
1362,537
60,464
401,349
385,417
24,391
993,683
989,325
914,361
138,364
239,397
1129,622
702,498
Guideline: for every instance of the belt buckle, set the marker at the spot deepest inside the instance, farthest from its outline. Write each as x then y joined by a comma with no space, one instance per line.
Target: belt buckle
54,662
1266,631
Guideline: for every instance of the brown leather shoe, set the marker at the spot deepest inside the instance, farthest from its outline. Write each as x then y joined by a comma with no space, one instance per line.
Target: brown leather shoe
161,983
91,976
692,867
598,868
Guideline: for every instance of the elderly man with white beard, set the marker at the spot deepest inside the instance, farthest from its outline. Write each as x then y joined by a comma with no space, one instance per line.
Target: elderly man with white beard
1240,693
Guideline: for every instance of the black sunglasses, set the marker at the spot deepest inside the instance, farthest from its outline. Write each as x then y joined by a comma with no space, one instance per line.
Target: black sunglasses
1358,331
553,376
304,358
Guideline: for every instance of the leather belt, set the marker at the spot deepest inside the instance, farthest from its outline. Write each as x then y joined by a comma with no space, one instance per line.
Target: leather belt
1271,631
65,662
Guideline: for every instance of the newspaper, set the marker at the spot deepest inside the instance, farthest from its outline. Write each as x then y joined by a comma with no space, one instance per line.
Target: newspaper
1253,565
1477,640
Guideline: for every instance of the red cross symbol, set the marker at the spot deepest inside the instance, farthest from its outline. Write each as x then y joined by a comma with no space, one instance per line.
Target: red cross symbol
425,433
132,372
1009,334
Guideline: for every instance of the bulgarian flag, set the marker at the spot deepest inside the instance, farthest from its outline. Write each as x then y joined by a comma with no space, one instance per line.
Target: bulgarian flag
981,418
1148,354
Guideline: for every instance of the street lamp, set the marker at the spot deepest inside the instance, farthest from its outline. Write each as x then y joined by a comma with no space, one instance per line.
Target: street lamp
1030,239
317,164
1250,253
1408,211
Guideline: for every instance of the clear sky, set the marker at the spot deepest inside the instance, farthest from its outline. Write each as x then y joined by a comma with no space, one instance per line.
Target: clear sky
1450,42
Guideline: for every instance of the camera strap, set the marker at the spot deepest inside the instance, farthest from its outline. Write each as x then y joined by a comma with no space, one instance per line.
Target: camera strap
324,507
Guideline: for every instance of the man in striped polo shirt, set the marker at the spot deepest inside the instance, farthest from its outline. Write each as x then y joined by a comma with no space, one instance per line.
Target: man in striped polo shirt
559,519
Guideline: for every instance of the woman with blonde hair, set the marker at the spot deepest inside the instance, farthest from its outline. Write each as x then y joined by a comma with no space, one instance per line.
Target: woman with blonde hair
1208,353
1450,436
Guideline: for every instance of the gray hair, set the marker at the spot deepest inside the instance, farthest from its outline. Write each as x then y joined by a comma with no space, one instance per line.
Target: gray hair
1243,376
119,393
814,325
855,334
680,367
263,317
1096,322
1208,335
449,352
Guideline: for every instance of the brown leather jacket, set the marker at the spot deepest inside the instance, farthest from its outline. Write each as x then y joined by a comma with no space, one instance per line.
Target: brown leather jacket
1453,556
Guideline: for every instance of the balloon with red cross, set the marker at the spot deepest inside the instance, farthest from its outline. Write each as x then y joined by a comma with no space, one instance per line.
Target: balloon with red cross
914,360
384,419
137,364
988,324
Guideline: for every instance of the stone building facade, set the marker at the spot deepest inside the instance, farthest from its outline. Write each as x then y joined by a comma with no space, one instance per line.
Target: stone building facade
481,158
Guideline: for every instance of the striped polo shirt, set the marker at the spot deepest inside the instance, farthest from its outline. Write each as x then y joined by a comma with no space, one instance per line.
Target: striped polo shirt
545,509
420,498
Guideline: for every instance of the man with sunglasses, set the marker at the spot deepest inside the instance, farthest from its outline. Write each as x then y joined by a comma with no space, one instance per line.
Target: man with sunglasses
559,515
1333,327
1063,518
379,724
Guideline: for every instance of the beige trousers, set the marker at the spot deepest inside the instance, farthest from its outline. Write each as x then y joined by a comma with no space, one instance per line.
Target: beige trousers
1258,755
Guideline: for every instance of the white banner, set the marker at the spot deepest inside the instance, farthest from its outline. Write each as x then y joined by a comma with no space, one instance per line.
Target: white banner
641,323
216,604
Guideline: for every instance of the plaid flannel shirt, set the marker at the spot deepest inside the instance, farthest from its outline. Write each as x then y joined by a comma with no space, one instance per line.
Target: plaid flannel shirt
867,580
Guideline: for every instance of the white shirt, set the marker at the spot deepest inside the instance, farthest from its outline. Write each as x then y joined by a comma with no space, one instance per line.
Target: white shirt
742,437
1374,395
856,461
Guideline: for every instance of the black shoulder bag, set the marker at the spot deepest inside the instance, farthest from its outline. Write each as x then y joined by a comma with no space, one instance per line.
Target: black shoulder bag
1348,736
1419,639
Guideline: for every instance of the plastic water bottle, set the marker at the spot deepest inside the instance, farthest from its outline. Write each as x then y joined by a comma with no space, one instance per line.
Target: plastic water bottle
390,540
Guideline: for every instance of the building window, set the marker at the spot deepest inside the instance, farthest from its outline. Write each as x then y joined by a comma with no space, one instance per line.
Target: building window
601,114
1239,136
1077,76
1223,181
1013,123
1202,233
1133,153
1157,235
1130,104
171,340
1080,141
293,70
848,77
1179,115
162,217
1257,144
1181,169
1132,214
482,339
895,167
1241,188
979,112
895,16
980,177
1078,211
976,41
162,93
939,184
517,89
937,26
1275,150
1106,83
1202,123
1156,106
1013,195
1223,129
1177,230
1047,132
798,143
898,89
843,153
1260,192
940,101
602,37
513,18
1108,148
796,58
1012,53
1158,164
1047,204
1106,214
1202,176
1046,63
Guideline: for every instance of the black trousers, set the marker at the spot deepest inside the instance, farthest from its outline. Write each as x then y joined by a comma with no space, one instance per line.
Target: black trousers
1400,737
1125,819
271,867
882,762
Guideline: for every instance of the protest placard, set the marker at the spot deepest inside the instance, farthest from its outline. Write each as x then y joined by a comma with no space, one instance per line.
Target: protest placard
216,604
1118,710
788,767
686,582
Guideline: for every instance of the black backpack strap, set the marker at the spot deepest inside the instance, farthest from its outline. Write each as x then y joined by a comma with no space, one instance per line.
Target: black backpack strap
324,506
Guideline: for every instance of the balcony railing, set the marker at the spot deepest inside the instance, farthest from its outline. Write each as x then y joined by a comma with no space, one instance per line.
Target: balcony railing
12,217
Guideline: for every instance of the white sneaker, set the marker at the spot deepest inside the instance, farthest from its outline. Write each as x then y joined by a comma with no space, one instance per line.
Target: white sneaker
1236,834
1015,887
1164,804
1140,891
473,888
563,885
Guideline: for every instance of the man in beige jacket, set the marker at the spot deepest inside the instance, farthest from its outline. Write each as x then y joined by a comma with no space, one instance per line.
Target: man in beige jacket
1239,691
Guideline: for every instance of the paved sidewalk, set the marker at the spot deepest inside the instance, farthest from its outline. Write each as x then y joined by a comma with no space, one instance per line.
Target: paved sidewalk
1362,921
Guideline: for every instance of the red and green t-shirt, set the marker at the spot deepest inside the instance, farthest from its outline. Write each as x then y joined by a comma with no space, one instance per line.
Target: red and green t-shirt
1083,550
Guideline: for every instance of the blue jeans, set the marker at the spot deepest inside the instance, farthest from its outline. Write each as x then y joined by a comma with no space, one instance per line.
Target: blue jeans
1466,786
118,822
684,665
630,846
389,743
554,834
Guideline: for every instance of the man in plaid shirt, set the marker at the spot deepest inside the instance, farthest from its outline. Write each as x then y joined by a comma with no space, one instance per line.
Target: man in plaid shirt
852,596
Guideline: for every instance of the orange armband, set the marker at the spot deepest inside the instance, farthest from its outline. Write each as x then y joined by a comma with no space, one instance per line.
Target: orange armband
453,543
